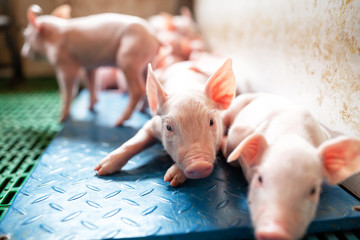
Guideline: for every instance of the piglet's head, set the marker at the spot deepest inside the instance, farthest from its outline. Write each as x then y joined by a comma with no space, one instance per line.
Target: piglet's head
191,125
37,34
285,187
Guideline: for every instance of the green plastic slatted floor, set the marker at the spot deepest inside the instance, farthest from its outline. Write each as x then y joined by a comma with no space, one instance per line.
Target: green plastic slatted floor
28,122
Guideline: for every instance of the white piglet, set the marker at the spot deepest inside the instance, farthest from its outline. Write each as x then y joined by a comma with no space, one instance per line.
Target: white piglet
86,43
186,105
285,155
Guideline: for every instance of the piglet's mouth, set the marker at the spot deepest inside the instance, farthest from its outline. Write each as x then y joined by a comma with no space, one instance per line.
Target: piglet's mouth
273,231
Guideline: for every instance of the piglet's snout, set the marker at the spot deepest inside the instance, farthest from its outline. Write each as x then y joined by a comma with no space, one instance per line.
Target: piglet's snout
272,231
198,169
198,160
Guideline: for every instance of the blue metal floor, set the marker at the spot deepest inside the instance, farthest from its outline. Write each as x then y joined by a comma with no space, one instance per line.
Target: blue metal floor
65,199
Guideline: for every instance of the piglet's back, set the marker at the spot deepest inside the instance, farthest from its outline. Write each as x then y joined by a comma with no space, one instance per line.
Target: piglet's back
181,77
93,31
276,116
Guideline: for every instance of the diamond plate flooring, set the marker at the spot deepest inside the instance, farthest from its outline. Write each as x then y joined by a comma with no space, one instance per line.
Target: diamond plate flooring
64,199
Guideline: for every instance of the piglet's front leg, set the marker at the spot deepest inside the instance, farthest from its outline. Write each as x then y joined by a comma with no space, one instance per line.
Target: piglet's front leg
115,160
175,176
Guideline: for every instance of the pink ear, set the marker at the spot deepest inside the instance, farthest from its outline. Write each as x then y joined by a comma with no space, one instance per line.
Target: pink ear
169,22
340,158
62,11
32,13
155,92
250,149
221,86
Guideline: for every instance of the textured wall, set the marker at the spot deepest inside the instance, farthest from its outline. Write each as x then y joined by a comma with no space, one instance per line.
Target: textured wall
307,50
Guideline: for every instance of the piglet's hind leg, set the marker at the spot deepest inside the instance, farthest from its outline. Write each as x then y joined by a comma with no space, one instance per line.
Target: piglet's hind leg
92,88
136,88
138,48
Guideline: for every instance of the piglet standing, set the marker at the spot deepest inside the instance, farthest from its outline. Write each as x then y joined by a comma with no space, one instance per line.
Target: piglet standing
70,45
186,106
285,155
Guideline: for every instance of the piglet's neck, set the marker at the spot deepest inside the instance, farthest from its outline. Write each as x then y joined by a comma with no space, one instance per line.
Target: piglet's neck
52,22
52,31
52,28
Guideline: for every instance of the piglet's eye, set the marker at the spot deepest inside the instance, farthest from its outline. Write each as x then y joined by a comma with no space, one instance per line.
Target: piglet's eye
260,179
211,121
169,128
312,191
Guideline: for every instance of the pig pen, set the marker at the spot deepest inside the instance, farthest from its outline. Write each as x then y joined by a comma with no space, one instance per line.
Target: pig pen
64,199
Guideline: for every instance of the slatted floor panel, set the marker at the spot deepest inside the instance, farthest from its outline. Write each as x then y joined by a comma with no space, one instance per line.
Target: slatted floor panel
28,122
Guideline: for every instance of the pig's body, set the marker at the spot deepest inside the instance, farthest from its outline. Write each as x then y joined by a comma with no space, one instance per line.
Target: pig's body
285,154
117,40
91,41
187,121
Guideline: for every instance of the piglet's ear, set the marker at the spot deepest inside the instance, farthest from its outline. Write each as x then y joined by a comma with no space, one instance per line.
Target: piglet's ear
32,13
169,22
62,11
250,150
340,158
221,86
155,92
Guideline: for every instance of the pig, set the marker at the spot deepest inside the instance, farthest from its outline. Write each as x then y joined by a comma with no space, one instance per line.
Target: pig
186,107
183,24
110,78
179,36
109,39
285,154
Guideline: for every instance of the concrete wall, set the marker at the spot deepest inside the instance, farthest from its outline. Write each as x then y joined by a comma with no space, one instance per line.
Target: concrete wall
306,50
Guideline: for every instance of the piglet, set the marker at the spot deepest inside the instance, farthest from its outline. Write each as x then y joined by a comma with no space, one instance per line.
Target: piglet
110,78
285,154
117,40
186,105
179,36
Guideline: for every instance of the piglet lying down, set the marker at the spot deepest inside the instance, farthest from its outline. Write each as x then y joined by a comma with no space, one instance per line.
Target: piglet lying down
285,155
186,104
